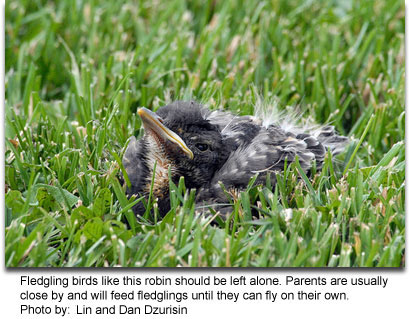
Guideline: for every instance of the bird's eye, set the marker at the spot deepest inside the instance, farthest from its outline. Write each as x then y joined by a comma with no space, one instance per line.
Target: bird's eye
202,147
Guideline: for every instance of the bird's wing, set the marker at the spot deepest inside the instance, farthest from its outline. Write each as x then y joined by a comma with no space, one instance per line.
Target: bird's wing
266,153
132,163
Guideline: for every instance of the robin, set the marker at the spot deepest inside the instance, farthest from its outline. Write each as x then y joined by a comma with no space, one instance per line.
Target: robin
209,147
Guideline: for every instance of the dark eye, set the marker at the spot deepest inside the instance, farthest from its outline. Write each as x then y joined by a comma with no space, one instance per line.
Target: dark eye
202,147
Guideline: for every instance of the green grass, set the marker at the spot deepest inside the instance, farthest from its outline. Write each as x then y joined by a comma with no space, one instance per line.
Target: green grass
77,71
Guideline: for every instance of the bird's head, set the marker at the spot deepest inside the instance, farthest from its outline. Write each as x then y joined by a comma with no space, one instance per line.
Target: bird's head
177,138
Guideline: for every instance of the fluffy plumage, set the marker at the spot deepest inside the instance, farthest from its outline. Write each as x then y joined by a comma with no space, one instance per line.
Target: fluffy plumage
210,147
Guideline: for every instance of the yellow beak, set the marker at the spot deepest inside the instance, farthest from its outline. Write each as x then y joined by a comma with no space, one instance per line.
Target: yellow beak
152,121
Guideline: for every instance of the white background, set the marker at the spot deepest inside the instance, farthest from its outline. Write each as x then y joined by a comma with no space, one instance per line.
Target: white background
368,302
373,302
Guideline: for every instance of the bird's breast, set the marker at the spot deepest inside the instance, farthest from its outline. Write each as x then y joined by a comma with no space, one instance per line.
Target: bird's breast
158,165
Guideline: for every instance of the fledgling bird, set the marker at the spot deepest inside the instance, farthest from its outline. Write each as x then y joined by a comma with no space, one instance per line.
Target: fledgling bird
212,147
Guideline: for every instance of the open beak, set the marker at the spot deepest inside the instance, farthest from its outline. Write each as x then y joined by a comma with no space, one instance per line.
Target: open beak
153,122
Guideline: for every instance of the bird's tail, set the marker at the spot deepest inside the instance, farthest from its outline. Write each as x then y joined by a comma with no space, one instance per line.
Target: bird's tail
330,139
292,120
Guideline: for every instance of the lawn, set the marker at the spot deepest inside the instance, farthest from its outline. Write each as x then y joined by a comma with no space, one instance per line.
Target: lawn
77,71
